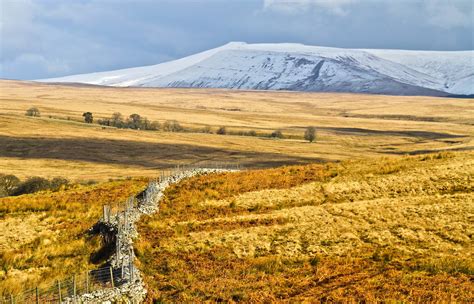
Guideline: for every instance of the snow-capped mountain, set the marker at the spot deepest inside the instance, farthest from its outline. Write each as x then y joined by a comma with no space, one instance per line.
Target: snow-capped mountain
298,67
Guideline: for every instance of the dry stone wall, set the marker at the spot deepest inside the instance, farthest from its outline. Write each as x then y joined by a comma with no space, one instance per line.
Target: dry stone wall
129,284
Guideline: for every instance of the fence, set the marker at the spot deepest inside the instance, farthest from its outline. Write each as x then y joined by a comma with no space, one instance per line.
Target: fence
72,287
122,269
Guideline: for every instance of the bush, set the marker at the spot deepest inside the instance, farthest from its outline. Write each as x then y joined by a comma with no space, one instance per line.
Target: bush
172,126
134,121
32,184
8,184
88,117
310,134
221,131
117,120
58,182
35,184
154,125
251,133
104,122
33,111
276,134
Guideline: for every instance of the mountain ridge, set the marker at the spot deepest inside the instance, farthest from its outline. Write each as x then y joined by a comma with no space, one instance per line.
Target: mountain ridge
299,67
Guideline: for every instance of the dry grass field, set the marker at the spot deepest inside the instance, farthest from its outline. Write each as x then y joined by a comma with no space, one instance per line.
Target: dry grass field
348,126
43,236
371,230
350,216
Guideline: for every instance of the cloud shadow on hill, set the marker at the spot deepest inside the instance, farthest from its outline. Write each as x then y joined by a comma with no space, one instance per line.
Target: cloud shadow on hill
136,153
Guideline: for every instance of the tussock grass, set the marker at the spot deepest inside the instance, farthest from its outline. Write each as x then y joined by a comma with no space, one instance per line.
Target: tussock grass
371,230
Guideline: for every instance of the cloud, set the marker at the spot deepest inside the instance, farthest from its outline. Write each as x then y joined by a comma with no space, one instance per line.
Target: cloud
450,14
51,38
335,7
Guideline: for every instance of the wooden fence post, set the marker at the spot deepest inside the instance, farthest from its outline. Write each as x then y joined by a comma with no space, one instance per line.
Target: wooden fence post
111,277
130,266
59,292
74,286
37,296
126,219
118,248
11,299
122,269
87,281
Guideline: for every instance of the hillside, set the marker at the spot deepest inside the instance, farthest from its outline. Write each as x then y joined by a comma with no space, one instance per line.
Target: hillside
44,236
373,230
349,126
299,67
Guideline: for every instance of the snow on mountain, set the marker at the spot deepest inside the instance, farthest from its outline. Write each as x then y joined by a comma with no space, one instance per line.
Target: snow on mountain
286,66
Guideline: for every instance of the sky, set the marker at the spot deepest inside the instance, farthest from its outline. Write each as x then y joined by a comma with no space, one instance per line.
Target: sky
51,38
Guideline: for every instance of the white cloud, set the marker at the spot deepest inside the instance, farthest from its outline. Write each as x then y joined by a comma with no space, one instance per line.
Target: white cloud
336,7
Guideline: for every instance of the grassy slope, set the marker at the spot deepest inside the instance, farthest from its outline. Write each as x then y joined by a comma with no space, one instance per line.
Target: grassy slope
360,230
43,236
349,126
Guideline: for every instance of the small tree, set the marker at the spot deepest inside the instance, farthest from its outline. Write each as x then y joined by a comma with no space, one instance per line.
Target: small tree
117,120
277,134
88,117
310,134
135,121
221,131
33,111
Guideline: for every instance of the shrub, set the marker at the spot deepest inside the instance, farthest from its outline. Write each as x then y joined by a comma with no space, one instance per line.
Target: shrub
172,126
134,121
251,133
57,182
276,134
33,111
310,134
8,184
117,120
104,122
154,125
88,117
221,131
32,184
35,184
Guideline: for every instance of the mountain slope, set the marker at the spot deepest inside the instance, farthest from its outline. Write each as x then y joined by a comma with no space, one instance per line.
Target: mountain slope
298,67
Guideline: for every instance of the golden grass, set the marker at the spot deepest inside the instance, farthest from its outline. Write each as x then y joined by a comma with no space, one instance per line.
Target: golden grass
372,230
349,126
360,230
43,236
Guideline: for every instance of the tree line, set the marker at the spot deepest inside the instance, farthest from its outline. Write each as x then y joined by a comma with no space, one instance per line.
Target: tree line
138,122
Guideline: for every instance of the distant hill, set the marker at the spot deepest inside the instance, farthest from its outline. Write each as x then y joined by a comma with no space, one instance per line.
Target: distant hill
298,67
